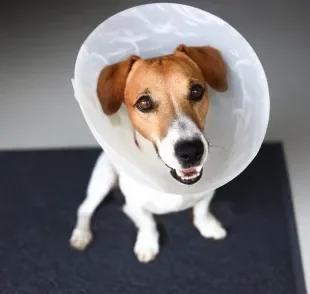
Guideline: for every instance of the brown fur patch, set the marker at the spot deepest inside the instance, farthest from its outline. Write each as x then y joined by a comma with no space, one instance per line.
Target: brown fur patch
211,64
111,85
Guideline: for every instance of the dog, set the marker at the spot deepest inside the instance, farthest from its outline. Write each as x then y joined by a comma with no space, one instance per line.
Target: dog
167,102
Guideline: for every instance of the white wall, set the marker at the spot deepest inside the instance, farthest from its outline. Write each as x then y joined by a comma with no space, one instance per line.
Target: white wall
39,44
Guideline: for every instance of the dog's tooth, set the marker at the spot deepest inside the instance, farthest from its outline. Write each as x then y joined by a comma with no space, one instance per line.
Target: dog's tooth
179,173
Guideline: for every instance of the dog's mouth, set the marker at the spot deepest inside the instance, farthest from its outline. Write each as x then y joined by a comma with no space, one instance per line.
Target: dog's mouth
187,176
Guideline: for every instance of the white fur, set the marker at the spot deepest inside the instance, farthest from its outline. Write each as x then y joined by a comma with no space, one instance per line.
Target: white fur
182,128
141,203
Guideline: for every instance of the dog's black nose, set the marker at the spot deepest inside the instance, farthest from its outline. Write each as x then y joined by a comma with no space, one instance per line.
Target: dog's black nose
189,152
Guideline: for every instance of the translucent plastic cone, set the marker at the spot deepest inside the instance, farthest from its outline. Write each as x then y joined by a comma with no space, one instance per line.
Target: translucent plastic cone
237,119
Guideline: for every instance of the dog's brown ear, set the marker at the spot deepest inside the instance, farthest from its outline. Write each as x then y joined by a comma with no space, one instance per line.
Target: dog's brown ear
211,63
111,85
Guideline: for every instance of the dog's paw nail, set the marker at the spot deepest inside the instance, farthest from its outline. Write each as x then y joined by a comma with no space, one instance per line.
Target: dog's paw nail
218,233
80,239
146,248
145,255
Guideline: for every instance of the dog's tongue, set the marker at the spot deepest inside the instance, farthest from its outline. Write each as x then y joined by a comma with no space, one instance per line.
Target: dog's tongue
189,172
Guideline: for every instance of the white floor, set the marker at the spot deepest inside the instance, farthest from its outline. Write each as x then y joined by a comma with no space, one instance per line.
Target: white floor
298,162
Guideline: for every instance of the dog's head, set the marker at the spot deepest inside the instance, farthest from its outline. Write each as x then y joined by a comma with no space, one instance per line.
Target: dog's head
167,102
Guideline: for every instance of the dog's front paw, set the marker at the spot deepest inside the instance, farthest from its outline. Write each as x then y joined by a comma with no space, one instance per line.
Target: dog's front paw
80,239
146,247
210,227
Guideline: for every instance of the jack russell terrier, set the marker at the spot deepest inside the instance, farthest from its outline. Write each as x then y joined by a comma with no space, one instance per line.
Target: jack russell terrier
167,102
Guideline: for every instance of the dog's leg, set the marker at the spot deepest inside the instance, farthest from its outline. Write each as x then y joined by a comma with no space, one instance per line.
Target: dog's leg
102,180
205,222
147,243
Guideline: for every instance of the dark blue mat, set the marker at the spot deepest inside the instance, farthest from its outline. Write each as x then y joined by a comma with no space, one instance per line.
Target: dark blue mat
40,192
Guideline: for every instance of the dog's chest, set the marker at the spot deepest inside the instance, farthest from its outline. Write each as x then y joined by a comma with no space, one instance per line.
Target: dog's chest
165,203
154,201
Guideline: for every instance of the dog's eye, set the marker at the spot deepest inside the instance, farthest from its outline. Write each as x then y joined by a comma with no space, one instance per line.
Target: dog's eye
145,104
196,93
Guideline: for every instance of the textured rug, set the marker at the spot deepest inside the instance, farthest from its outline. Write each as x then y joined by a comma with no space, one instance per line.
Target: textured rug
41,190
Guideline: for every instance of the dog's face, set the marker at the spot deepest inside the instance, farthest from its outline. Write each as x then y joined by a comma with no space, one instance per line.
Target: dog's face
167,102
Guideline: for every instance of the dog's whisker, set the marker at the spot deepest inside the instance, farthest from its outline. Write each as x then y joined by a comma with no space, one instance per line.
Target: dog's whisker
217,146
212,146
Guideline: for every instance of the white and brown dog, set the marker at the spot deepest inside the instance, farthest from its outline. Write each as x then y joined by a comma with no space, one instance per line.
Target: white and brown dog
167,102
